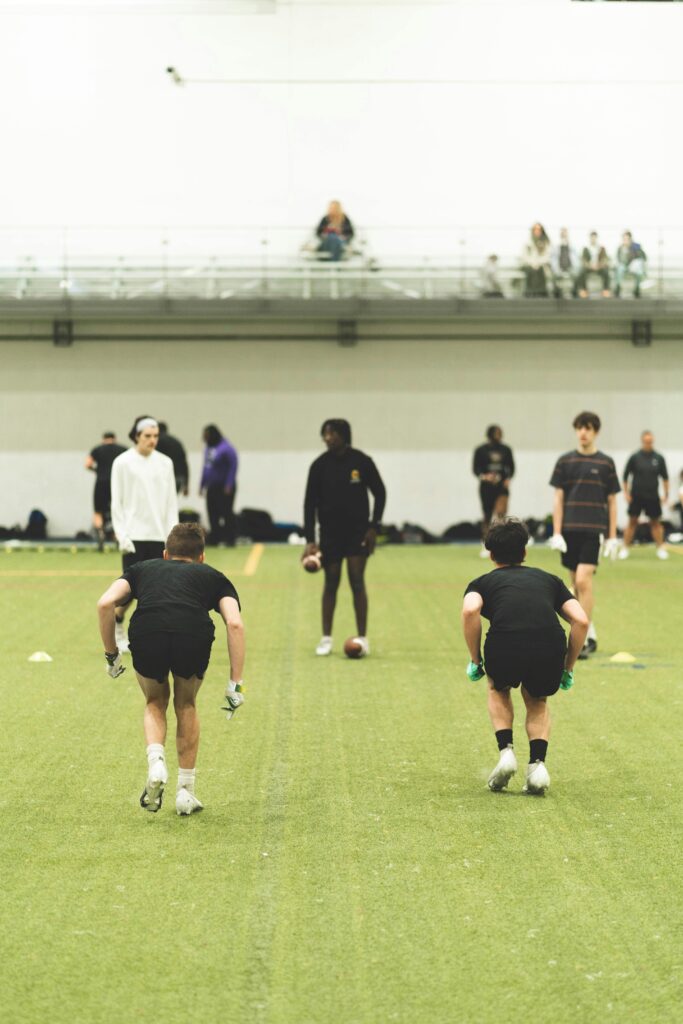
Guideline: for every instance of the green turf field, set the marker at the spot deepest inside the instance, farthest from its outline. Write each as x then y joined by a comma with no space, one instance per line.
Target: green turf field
350,865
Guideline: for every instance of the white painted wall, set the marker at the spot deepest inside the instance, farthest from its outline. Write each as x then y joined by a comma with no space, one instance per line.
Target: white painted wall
418,408
561,111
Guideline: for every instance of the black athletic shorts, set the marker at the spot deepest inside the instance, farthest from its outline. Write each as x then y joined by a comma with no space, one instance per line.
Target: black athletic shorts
102,497
144,551
652,507
582,547
342,541
532,658
157,654
489,494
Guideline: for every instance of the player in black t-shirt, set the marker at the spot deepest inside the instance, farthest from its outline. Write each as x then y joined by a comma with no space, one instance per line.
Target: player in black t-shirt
584,511
171,631
494,465
100,461
337,494
644,469
525,645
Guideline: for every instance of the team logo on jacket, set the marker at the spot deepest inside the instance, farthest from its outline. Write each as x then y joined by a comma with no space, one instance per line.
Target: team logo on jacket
355,476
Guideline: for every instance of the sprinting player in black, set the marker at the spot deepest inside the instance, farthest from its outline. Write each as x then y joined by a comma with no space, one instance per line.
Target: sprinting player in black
171,446
644,469
585,510
171,631
525,646
99,461
337,493
494,465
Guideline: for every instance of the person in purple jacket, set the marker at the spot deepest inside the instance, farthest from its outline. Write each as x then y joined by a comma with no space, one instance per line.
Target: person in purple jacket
219,481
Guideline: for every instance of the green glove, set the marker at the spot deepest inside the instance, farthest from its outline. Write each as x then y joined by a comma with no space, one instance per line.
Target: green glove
567,680
475,671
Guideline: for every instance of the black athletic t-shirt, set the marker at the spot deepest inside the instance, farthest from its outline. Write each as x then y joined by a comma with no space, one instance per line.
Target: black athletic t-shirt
587,482
103,456
337,490
175,596
518,598
646,469
494,458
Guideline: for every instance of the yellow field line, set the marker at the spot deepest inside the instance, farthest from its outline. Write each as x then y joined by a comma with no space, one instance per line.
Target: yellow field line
252,562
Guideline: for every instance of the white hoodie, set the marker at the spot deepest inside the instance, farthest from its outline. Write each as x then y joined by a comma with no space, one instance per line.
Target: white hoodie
144,501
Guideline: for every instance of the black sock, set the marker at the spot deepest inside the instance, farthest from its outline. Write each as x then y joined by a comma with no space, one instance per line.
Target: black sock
537,750
504,738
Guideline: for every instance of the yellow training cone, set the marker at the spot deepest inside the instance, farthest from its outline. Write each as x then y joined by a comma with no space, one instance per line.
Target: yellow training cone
623,658
40,656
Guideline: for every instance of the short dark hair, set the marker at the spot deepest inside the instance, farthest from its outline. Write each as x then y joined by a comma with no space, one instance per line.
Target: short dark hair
341,427
133,433
186,540
490,431
507,540
212,435
587,419
109,434
163,427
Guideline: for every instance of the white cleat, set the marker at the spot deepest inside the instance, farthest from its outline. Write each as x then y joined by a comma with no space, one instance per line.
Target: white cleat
187,803
504,770
153,793
623,553
365,645
662,553
324,647
121,638
537,779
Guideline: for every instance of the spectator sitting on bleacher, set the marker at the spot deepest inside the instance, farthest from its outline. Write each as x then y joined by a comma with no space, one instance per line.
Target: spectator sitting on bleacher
631,260
565,263
335,231
595,261
491,288
536,264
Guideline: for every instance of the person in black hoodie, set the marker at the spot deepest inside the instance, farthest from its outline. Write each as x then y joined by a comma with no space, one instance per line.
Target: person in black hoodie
337,495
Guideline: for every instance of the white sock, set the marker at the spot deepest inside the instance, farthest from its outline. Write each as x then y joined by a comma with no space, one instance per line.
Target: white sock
324,637
154,752
186,777
591,634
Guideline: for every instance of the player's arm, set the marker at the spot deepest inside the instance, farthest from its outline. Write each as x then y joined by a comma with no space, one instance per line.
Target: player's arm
90,463
310,507
664,473
230,613
558,510
471,624
628,470
171,514
611,516
572,612
118,595
379,495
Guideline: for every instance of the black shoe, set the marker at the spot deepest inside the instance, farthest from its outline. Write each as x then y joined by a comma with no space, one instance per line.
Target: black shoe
590,647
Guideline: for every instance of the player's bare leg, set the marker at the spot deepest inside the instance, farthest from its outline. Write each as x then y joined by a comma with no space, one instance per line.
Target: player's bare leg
500,508
329,603
657,532
355,567
629,534
187,741
501,713
157,696
538,731
582,585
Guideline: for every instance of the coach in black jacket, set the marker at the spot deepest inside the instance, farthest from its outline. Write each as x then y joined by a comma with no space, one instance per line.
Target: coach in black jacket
337,494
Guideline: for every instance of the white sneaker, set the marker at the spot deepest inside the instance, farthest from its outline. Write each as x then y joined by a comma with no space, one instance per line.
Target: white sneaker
504,770
121,638
187,803
537,779
365,644
153,793
662,553
324,647
623,553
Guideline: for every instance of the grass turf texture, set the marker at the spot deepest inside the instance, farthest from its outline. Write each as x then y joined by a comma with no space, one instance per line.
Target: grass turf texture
350,865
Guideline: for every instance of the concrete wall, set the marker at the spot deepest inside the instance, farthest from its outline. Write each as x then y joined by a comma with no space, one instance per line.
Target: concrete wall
418,408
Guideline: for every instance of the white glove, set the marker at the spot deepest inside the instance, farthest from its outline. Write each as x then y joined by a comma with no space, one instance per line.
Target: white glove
126,546
611,548
558,543
114,665
234,698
